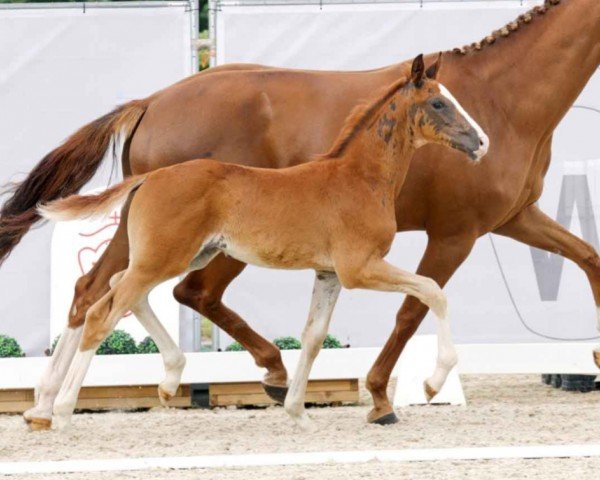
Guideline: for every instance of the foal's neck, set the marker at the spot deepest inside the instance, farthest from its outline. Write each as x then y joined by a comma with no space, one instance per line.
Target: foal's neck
382,150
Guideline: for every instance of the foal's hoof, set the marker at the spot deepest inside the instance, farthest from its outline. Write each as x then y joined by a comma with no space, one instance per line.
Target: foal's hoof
305,423
387,419
597,358
164,396
38,424
430,392
274,392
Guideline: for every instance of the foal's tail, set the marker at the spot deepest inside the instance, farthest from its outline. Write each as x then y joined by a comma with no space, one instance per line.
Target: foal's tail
63,171
90,206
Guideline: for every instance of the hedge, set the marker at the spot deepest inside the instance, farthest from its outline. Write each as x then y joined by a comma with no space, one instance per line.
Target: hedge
9,347
147,345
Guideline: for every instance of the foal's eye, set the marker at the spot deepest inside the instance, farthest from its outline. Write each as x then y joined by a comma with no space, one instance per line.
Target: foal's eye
437,104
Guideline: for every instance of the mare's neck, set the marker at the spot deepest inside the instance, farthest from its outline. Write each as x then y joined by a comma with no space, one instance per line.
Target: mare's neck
537,72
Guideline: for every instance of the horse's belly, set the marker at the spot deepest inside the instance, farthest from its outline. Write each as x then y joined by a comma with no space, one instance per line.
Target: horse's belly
292,257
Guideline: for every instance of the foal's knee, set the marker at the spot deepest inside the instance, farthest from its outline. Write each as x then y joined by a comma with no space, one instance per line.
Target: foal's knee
352,277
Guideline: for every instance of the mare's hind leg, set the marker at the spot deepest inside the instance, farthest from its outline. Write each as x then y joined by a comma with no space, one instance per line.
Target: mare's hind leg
203,291
325,294
101,320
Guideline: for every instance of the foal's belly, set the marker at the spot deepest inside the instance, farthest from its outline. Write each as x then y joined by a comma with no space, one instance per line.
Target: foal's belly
289,257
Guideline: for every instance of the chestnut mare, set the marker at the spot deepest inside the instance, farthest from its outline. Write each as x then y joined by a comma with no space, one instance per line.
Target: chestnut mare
335,215
518,83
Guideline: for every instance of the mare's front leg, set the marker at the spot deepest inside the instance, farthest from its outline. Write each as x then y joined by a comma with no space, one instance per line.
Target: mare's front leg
88,289
533,227
325,294
441,259
203,291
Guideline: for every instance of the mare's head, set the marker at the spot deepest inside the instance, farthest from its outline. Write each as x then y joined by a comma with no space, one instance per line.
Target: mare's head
435,116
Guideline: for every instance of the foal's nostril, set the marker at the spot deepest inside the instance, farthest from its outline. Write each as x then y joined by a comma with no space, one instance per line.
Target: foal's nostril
480,143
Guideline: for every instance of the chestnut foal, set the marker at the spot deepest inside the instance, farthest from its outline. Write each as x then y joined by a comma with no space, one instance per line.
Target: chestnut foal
335,215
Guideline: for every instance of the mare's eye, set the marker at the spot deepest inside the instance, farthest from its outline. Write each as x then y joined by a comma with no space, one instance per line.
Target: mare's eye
437,104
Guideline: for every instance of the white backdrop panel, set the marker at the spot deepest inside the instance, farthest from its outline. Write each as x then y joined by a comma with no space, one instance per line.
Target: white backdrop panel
352,37
61,67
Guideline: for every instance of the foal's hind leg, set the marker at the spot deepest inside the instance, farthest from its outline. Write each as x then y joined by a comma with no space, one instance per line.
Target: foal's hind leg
203,291
88,289
101,320
325,294
39,417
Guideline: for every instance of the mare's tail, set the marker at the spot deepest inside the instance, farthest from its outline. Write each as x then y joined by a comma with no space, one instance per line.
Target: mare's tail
63,171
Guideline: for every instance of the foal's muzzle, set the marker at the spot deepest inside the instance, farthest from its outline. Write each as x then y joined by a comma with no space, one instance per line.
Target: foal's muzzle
475,144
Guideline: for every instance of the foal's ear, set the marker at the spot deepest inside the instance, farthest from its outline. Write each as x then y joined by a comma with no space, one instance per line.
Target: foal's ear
418,71
432,72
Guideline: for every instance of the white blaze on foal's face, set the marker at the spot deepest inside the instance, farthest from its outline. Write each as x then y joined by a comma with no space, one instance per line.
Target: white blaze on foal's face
484,141
437,117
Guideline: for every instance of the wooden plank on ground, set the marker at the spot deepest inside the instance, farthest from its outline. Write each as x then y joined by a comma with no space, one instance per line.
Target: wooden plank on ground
100,398
251,393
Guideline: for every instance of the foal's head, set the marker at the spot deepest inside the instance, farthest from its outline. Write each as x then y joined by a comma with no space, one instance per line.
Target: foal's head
435,116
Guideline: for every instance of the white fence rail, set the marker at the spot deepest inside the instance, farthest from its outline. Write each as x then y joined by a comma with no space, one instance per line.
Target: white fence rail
219,367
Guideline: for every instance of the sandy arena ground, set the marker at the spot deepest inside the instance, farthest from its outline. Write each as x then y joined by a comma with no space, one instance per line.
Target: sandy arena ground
502,410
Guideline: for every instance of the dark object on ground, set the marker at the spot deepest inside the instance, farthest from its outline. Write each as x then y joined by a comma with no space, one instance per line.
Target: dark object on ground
199,395
571,383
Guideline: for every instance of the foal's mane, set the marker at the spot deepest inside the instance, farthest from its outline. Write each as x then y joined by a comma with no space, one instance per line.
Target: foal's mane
505,31
359,118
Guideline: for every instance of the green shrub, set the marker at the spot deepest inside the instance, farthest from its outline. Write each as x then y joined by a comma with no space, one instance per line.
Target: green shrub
288,343
331,342
118,342
9,347
147,345
235,347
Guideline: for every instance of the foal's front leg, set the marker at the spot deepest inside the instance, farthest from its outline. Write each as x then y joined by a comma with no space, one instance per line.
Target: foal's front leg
325,294
377,274
173,358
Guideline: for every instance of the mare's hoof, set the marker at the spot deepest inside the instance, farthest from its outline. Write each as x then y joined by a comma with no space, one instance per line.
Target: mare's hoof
276,393
387,419
430,392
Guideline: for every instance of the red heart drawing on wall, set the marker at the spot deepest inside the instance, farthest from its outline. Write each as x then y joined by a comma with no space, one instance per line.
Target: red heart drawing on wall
88,256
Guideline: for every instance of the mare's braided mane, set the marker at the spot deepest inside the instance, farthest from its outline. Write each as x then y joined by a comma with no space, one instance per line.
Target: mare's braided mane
505,31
